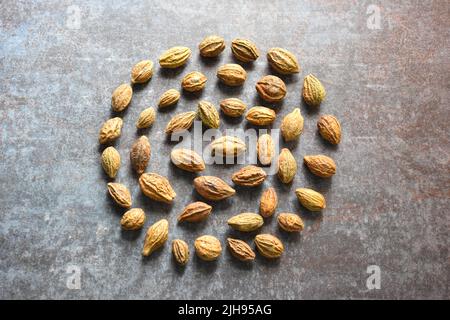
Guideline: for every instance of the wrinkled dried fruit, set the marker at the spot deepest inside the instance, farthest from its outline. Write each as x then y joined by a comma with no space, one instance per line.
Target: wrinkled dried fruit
227,146
292,125
310,199
290,222
120,194
156,187
265,149
233,107
174,57
283,61
111,161
168,98
329,128
320,165
244,50
271,88
110,130
269,246
246,222
208,114
195,212
249,176
180,251
208,248
232,74
140,154
268,202
146,118
213,188
133,219
181,121
313,90
121,97
211,46
187,159
287,166
156,236
260,116
240,250
142,72
194,81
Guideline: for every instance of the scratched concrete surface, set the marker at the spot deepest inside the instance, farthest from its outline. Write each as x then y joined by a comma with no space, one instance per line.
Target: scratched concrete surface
388,81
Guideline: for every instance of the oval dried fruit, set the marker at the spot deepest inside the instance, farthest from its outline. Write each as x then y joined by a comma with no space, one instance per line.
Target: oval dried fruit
244,50
180,251
156,187
287,166
195,212
120,194
292,125
283,61
227,146
208,248
194,81
269,246
268,203
249,176
110,130
168,98
320,165
140,154
313,91
142,71
232,74
180,122
121,97
271,88
146,118
310,199
208,114
233,107
111,161
265,149
174,57
156,236
133,219
290,222
213,188
211,46
260,116
187,159
246,222
240,250
329,128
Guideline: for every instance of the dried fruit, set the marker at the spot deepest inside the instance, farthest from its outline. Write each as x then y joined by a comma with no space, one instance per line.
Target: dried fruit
174,57
271,88
111,161
213,188
146,118
292,125
156,236
329,128
227,146
208,248
287,166
310,199
246,222
121,97
233,107
110,130
283,61
240,250
187,159
268,202
120,194
140,154
249,176
181,121
320,165
208,114
265,149
313,90
195,212
232,74
260,116
194,81
142,72
156,187
211,46
269,246
244,50
180,251
290,222
133,219
168,98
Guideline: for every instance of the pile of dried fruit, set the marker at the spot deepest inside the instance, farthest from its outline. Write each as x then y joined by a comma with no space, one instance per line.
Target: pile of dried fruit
271,89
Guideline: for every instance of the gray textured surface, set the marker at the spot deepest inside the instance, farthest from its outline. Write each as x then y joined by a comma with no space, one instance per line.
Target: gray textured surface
387,204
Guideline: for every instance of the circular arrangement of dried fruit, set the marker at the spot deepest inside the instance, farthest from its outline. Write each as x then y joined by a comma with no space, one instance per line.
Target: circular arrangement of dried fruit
270,88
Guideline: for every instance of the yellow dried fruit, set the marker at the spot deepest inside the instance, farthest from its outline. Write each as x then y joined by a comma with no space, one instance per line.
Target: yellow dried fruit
213,188
187,159
156,236
290,222
227,146
156,187
249,176
233,107
211,46
110,130
268,203
246,222
271,88
208,114
283,61
287,166
232,74
329,128
265,149
146,118
142,72
140,154
310,199
194,81
240,250
195,212
169,98
208,248
260,116
181,121
180,251
174,57
121,97
292,125
313,91
111,161
120,194
244,50
320,165
269,246
133,219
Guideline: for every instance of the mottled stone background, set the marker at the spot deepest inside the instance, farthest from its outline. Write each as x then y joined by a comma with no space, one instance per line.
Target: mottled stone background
387,80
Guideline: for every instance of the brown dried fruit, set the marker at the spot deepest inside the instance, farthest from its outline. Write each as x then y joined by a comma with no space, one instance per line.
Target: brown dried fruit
195,212
174,57
313,90
133,219
146,118
249,176
111,161
260,116
269,246
194,81
213,188
120,194
329,128
290,222
181,121
187,159
211,46
244,50
246,222
283,61
287,166
208,248
156,187
156,236
292,125
265,149
268,203
180,251
240,250
320,165
227,146
233,107
121,97
110,130
232,74
310,199
271,88
140,154
208,114
169,98
142,72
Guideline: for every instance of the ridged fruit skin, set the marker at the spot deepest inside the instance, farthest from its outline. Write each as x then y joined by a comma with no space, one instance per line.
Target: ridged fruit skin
213,188
120,194
246,222
133,219
330,129
211,46
269,246
194,81
180,122
156,187
156,236
140,154
244,50
292,125
142,71
268,202
283,61
240,250
174,57
111,161
265,149
310,199
261,116
146,118
208,248
313,91
110,130
271,88
287,166
195,212
233,107
180,251
209,115
168,98
232,74
320,165
290,222
249,176
187,160
227,146
121,97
